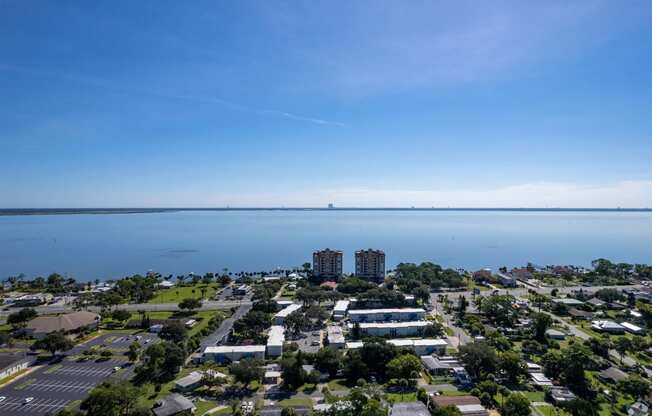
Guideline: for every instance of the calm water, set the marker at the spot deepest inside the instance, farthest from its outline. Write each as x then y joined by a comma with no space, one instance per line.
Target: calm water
107,246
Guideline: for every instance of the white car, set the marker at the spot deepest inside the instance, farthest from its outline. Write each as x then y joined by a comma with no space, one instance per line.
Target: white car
116,369
2,399
27,400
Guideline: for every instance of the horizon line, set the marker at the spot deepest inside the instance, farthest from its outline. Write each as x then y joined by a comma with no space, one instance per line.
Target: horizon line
135,210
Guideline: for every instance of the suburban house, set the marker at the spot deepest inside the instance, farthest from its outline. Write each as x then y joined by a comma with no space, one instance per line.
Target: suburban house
467,405
506,280
612,375
173,404
409,409
69,323
607,326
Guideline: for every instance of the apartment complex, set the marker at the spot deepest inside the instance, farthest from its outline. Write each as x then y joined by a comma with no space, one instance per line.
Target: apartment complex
327,264
370,264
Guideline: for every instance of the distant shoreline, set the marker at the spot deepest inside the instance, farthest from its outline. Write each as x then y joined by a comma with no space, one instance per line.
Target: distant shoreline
100,211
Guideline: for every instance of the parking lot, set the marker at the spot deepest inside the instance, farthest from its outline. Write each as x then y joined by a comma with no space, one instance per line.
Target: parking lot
53,386
310,341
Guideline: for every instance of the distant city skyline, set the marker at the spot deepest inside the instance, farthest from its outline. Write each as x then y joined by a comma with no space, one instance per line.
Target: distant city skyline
364,104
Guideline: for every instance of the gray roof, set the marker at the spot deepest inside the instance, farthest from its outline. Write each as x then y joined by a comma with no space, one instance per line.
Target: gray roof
172,404
596,302
409,409
613,373
431,363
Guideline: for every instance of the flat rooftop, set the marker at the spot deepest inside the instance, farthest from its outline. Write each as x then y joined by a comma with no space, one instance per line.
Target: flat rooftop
288,310
387,310
410,324
276,336
229,349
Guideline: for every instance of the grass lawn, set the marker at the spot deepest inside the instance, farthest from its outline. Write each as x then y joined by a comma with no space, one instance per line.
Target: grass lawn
296,401
398,397
532,396
338,384
454,393
204,405
178,293
202,318
551,411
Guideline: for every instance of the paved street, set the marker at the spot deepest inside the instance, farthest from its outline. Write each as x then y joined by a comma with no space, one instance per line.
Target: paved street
53,386
207,305
221,333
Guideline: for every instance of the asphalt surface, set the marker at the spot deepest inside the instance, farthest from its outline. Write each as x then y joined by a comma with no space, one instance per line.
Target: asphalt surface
221,334
207,305
52,386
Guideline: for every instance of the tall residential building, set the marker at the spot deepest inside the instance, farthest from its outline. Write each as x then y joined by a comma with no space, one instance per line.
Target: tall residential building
370,264
327,264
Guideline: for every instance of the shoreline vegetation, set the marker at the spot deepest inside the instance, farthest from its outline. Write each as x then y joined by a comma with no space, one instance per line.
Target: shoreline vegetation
99,211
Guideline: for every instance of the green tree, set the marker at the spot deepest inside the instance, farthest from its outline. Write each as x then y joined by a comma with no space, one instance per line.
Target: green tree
120,315
247,370
516,405
134,351
540,324
20,318
190,304
292,371
404,366
354,367
328,360
635,386
174,331
109,399
53,342
622,346
478,358
580,407
511,366
449,410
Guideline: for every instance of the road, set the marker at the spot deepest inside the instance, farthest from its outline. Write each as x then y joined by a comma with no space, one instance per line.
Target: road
209,305
221,333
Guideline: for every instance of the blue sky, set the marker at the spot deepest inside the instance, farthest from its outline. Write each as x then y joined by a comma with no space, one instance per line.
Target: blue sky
252,103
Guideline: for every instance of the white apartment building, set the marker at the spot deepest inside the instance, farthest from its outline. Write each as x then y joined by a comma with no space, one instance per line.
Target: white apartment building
221,354
390,314
275,340
280,316
392,329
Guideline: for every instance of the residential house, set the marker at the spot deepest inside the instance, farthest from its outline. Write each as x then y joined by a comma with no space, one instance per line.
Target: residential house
607,326
173,404
409,409
612,375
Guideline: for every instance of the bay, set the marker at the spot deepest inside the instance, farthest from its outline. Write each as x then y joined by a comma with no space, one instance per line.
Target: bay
105,246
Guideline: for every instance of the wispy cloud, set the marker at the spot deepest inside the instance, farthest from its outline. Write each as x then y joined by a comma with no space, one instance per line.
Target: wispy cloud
115,87
397,46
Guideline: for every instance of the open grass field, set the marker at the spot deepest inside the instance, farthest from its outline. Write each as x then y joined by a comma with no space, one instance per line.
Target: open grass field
178,293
